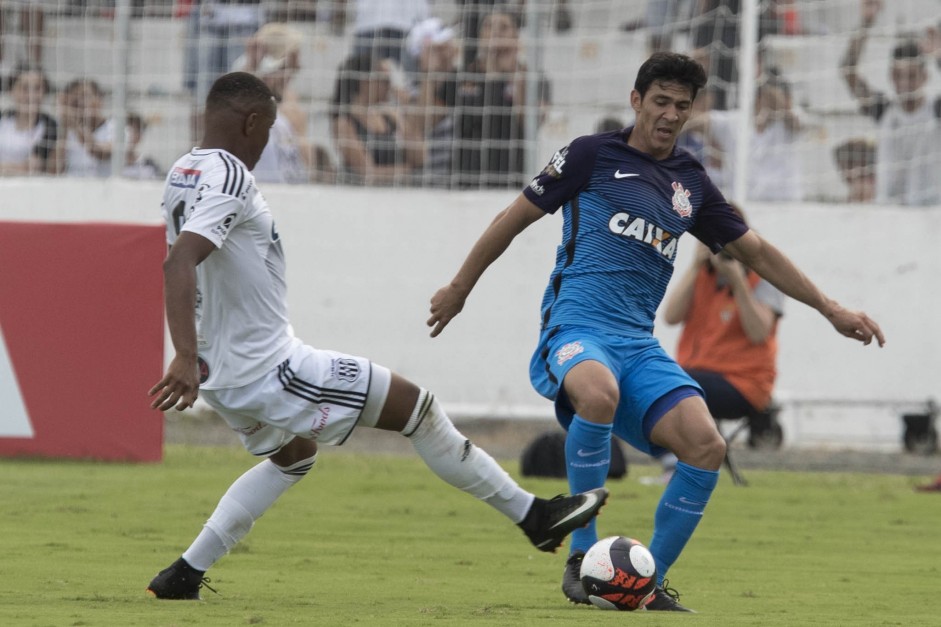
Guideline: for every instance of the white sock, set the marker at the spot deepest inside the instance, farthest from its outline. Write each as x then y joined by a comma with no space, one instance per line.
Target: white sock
246,500
457,461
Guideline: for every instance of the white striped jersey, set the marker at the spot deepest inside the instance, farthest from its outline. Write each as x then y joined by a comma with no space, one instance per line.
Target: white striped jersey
241,310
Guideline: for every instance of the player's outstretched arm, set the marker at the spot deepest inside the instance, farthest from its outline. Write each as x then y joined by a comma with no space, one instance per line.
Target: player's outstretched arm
774,266
448,301
179,386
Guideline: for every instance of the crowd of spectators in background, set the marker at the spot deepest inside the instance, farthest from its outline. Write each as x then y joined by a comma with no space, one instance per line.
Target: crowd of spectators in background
418,101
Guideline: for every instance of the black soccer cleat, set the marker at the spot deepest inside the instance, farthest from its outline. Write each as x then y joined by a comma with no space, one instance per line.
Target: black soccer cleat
548,522
178,581
572,586
665,599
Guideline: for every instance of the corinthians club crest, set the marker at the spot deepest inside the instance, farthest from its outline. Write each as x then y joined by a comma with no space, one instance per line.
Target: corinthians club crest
681,203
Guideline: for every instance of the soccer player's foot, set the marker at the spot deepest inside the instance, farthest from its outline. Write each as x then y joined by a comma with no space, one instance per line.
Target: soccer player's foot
548,522
665,599
178,581
931,487
572,586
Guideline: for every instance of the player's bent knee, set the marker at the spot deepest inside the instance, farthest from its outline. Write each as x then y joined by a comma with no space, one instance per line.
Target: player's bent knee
597,405
424,406
295,451
705,450
716,449
707,453
298,469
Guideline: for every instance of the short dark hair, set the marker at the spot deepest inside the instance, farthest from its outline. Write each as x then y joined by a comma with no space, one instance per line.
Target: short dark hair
30,68
505,8
856,152
907,50
76,83
238,88
349,79
670,67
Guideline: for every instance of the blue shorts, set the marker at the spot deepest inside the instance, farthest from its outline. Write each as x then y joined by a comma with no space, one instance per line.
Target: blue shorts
651,383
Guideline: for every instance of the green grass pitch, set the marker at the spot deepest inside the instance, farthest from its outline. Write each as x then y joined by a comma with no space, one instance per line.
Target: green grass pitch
380,541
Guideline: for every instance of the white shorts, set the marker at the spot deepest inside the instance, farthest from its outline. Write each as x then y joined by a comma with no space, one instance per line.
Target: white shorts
314,394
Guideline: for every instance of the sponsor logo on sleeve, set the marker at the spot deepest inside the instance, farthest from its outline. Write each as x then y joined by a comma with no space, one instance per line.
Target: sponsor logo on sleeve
553,170
556,164
223,229
184,178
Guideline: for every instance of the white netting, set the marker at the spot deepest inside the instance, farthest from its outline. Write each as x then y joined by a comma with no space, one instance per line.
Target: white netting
152,59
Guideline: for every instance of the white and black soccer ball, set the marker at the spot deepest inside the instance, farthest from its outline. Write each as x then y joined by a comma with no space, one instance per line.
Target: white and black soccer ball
619,573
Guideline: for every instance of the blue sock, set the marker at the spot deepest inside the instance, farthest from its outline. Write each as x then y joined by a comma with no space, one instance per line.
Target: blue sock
587,458
680,509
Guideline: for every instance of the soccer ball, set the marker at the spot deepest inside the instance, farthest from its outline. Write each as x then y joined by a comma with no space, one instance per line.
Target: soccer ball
618,573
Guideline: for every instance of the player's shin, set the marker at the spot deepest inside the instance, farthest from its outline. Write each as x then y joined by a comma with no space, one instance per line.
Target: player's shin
460,463
679,512
587,458
246,500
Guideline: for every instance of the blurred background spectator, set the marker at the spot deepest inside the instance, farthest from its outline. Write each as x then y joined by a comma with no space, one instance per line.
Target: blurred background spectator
217,32
450,101
432,49
728,343
923,185
774,164
273,54
714,39
22,31
28,135
664,19
380,27
86,135
490,108
856,160
472,13
902,118
374,144
138,166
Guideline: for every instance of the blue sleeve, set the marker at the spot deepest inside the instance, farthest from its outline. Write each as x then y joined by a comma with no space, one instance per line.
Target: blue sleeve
567,173
717,223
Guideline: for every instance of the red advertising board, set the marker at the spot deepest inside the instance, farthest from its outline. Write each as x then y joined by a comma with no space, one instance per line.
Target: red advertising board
81,340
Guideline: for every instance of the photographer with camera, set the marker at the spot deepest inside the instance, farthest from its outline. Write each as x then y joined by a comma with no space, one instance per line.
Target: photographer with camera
728,344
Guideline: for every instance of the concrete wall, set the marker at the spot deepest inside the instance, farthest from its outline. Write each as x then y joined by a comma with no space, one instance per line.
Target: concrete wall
363,264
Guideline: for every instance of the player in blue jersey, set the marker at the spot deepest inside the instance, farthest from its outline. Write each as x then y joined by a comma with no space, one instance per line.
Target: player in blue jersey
626,198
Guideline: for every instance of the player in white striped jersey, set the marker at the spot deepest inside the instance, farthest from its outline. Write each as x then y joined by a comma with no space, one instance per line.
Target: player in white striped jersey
234,347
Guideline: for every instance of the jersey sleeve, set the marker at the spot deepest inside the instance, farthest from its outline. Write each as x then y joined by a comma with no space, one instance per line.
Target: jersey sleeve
717,223
219,205
567,173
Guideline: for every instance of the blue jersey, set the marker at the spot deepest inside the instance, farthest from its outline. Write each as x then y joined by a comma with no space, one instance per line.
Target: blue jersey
623,214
